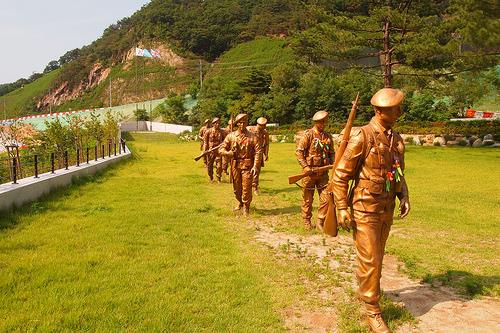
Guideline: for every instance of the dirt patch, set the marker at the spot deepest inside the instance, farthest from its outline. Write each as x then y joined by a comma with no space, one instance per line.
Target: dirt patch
437,309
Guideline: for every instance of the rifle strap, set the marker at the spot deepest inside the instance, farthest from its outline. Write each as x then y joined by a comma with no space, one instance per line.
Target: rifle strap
368,143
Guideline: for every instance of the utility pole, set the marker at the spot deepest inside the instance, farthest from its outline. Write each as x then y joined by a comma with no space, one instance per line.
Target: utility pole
201,75
110,103
387,56
50,105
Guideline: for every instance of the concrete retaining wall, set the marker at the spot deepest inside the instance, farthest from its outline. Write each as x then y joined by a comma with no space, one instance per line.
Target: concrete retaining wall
30,189
133,126
154,126
168,128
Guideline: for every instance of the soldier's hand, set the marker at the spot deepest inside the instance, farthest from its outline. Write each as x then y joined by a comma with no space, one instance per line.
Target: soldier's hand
254,171
228,153
404,207
307,170
344,219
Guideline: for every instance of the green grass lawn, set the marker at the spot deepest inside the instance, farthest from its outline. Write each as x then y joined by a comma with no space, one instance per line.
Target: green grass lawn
452,232
142,247
151,245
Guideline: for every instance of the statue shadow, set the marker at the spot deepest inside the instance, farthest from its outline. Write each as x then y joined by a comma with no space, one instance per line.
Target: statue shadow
435,289
274,191
278,211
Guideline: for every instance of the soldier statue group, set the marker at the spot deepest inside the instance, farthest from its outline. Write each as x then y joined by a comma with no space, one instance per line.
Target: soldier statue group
367,176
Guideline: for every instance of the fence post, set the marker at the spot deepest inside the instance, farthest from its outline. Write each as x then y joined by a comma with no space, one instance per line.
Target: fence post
102,152
114,147
78,157
95,153
87,155
14,171
36,166
109,149
52,163
66,159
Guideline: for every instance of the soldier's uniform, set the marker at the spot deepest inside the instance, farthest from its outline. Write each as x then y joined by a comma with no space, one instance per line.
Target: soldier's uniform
214,137
247,153
263,136
315,149
201,137
374,159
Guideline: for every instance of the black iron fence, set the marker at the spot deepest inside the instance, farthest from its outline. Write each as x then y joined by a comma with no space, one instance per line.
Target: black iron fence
27,164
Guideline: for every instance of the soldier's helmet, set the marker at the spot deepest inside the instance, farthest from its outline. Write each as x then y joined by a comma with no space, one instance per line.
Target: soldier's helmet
240,117
206,121
215,120
387,97
262,121
320,115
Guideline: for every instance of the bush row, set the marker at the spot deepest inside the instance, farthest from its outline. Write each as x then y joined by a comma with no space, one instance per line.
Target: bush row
466,128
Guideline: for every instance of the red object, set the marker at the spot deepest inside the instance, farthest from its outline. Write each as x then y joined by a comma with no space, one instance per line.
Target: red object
487,114
470,113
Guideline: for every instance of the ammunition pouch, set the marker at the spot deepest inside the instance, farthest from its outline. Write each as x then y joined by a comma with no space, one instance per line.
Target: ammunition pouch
375,185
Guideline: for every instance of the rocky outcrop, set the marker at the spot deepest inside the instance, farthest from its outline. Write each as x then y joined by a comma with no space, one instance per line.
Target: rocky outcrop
64,92
98,74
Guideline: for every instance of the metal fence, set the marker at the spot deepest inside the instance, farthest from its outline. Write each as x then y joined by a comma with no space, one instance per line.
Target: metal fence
27,165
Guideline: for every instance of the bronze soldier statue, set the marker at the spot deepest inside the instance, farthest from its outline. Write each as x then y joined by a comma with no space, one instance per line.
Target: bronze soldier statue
244,148
213,138
225,159
374,160
315,149
201,137
261,132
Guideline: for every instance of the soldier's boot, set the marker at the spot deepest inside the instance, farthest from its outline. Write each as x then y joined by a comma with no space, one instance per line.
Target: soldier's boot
377,323
218,180
307,224
256,190
238,207
246,210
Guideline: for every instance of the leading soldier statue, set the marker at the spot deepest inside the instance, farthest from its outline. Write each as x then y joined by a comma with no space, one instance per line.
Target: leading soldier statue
374,160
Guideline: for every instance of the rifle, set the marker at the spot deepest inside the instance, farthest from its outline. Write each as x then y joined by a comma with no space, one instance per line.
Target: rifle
296,178
330,226
207,152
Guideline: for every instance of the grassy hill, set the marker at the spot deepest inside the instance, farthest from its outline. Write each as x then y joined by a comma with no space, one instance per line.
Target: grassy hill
22,101
263,53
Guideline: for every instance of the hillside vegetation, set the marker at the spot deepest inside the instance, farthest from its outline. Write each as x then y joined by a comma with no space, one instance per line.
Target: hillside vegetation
285,58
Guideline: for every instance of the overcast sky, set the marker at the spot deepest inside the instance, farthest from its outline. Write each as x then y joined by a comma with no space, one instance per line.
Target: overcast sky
34,32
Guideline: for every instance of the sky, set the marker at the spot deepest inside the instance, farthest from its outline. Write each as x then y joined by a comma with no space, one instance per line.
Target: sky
34,32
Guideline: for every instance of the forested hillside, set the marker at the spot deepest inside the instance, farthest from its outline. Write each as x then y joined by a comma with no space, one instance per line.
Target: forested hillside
280,58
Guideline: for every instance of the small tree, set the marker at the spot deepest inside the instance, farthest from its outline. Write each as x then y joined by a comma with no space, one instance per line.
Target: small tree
95,129
111,127
57,137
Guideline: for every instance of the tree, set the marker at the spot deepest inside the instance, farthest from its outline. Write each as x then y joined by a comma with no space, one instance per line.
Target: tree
428,38
256,82
51,66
